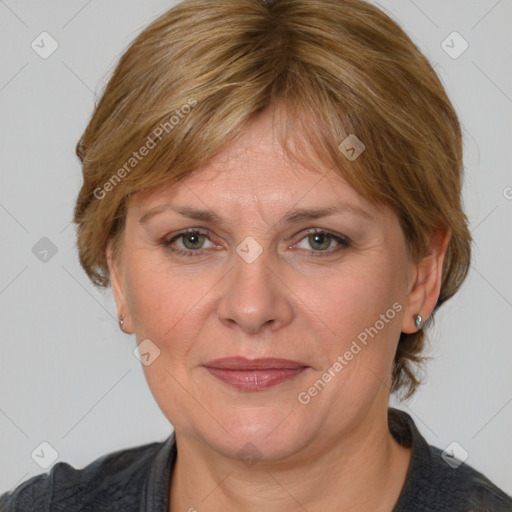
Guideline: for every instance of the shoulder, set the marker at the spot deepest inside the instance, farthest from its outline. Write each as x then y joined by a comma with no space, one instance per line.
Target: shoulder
113,479
437,481
461,484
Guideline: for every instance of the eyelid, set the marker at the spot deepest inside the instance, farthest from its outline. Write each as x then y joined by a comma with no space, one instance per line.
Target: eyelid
342,240
201,231
175,236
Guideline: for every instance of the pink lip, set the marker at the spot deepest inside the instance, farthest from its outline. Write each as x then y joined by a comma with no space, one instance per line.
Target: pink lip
254,374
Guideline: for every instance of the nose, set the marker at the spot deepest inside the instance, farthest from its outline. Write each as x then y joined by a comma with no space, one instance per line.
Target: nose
255,297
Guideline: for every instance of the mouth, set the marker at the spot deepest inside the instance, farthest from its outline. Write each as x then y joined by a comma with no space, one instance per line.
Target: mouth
254,374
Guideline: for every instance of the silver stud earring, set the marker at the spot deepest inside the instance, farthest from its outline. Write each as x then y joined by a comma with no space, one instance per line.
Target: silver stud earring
121,323
418,321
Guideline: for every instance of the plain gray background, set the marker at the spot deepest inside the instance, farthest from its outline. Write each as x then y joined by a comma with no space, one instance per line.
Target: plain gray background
68,376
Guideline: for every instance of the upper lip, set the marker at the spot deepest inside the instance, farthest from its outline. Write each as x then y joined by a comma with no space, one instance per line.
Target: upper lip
242,363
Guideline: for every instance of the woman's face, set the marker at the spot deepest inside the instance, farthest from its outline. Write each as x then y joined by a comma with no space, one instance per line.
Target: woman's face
252,280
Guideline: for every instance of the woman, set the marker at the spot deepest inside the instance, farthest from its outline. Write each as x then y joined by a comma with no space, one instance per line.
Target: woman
261,193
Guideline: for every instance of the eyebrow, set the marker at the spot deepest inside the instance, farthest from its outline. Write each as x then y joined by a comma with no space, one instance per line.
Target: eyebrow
292,217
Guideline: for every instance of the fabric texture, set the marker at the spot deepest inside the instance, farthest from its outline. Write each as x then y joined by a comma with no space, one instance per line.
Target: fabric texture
138,479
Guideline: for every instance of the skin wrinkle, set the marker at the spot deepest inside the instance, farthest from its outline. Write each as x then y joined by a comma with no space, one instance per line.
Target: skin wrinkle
328,70
284,304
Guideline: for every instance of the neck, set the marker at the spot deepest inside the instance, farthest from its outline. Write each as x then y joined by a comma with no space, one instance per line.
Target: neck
365,470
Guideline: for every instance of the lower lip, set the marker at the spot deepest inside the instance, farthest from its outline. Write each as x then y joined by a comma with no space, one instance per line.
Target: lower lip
255,380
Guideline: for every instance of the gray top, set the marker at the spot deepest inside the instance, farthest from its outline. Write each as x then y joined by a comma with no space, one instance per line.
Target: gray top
138,479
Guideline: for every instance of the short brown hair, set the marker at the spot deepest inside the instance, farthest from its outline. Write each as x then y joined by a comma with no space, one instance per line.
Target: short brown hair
328,68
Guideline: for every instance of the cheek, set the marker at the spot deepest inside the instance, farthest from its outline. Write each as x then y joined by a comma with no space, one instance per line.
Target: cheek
167,308
161,299
354,298
362,307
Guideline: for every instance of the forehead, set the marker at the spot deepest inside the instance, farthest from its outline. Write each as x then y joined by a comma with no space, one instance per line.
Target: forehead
255,169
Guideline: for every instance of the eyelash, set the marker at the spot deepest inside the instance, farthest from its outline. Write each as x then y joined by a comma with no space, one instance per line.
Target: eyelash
344,242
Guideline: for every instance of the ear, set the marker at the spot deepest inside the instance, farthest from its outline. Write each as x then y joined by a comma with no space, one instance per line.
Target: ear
425,282
118,288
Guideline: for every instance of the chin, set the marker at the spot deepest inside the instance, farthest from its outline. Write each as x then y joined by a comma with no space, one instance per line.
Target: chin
261,433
